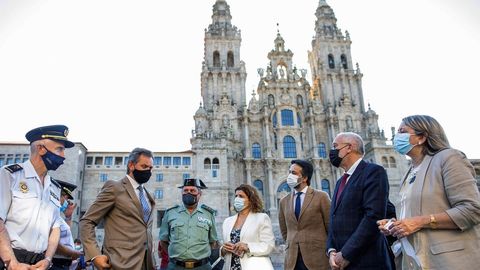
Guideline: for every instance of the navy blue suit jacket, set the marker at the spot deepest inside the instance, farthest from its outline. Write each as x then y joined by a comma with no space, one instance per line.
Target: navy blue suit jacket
353,227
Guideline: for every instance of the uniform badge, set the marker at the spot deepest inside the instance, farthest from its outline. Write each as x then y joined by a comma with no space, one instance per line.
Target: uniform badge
65,132
23,187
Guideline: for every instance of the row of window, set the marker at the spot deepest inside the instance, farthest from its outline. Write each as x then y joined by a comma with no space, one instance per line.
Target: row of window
111,160
103,177
343,61
8,159
216,59
289,148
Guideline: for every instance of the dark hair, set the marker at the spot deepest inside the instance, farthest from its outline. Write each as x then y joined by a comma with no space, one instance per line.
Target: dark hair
135,155
307,168
256,203
77,241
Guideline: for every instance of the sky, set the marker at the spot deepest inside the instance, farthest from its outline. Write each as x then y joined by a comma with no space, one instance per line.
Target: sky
122,74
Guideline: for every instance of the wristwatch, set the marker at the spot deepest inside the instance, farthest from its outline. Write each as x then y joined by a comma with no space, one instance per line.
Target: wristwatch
49,259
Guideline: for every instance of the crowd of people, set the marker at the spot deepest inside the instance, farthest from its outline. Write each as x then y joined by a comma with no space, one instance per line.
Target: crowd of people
434,226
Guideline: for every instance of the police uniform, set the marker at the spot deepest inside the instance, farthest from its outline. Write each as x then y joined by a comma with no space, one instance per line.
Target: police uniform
61,262
189,234
28,208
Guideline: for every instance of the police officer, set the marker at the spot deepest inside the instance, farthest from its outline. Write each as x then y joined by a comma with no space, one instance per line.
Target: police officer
66,253
188,231
30,202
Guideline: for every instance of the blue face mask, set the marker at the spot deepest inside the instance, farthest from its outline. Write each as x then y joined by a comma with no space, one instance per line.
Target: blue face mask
238,204
64,206
401,143
51,160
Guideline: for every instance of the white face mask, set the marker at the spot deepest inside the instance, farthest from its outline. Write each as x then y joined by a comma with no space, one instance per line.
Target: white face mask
292,180
238,204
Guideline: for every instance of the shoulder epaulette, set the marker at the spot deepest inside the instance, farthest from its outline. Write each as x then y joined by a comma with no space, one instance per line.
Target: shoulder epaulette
173,207
54,182
209,209
14,168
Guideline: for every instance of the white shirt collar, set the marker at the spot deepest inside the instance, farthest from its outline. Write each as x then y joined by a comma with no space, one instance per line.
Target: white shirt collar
134,183
304,190
354,166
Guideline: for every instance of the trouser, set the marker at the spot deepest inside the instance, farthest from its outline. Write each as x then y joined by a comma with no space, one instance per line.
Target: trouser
61,263
26,257
299,265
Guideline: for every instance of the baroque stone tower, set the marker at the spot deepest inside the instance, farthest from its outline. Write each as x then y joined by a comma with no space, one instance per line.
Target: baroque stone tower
286,117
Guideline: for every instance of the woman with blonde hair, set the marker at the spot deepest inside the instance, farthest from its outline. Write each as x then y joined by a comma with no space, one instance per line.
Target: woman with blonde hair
439,210
248,235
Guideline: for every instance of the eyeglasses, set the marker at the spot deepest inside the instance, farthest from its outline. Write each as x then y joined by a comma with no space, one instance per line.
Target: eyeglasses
335,145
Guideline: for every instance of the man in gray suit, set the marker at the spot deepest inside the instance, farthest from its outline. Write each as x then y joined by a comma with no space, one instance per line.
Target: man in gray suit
125,208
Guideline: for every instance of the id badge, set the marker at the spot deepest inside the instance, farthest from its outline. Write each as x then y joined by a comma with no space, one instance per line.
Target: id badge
54,199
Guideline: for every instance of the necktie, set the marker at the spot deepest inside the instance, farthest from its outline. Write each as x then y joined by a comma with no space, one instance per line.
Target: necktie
144,203
298,205
341,187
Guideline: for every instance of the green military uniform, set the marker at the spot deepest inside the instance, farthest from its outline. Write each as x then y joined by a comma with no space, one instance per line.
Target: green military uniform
189,235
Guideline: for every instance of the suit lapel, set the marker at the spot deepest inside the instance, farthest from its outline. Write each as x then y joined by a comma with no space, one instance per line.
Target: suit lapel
133,196
306,201
418,185
152,203
353,178
247,224
291,211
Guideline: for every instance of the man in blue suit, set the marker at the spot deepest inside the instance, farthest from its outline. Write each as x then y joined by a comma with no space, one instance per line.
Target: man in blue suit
359,200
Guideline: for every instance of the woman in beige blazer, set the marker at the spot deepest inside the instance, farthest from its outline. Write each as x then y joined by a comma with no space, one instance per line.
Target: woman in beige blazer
248,235
439,210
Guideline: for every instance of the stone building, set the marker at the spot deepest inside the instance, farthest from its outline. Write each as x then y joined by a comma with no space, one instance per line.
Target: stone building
252,141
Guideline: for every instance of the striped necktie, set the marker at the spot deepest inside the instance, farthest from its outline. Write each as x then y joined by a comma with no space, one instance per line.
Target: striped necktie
144,203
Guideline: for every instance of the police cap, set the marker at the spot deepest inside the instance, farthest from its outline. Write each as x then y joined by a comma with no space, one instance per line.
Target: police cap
193,182
67,188
55,132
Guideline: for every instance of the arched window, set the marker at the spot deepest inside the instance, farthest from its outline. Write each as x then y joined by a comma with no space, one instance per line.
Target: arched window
256,151
331,61
385,162
207,165
343,58
284,188
289,147
326,186
215,164
271,101
216,59
393,162
230,61
287,117
259,185
274,120
299,100
299,120
322,150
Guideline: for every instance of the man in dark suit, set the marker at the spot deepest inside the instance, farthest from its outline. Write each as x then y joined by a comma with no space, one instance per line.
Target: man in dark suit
359,200
125,208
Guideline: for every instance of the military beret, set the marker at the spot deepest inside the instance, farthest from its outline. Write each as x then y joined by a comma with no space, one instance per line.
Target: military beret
67,188
55,132
193,182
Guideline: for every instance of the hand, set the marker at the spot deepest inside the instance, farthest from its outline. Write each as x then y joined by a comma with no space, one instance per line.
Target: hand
15,265
229,247
76,254
331,261
101,262
406,227
41,265
381,226
340,261
241,248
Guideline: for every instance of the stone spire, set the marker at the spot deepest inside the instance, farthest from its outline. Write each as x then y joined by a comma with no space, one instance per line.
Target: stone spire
221,14
326,24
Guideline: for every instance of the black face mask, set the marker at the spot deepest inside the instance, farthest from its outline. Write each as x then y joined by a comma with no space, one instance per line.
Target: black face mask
335,160
52,161
142,176
189,199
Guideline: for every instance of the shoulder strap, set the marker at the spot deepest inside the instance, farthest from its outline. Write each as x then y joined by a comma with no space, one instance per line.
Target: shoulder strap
13,168
209,209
